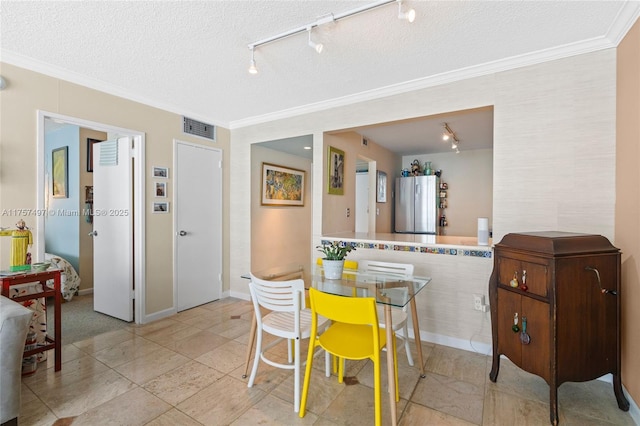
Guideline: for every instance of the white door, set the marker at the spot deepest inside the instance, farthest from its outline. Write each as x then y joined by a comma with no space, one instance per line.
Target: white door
112,229
197,199
362,202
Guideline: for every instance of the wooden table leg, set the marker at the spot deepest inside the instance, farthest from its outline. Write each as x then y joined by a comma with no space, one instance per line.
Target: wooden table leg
250,344
416,334
391,372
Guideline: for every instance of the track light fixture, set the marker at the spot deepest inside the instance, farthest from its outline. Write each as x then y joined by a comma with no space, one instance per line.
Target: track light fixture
409,15
450,134
252,66
317,46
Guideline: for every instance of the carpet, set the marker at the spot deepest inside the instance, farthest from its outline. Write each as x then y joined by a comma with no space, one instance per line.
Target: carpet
80,321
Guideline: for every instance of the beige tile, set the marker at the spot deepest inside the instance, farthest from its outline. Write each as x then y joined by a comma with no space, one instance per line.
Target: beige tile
102,341
504,409
69,353
322,391
407,377
126,351
74,398
190,313
273,411
196,344
149,366
182,382
451,396
48,380
462,365
232,328
225,358
118,411
591,402
173,417
34,412
515,381
355,406
417,414
221,402
173,331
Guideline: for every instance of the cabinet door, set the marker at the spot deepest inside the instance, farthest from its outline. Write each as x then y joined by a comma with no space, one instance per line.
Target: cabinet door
509,342
536,356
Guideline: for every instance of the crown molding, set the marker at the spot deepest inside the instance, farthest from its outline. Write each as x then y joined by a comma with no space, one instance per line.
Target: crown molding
54,71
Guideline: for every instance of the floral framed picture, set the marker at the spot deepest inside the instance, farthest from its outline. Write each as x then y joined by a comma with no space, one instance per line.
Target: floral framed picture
335,172
282,186
60,172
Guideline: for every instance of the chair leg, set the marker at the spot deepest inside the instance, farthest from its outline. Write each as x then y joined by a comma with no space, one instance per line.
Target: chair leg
296,377
377,393
289,350
307,377
405,337
256,359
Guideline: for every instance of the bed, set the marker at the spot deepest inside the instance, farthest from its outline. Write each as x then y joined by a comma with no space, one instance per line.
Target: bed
69,278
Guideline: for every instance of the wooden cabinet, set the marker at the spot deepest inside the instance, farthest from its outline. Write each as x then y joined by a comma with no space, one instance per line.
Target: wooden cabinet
566,287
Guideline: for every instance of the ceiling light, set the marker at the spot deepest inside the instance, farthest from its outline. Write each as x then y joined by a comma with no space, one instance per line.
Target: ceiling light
252,67
409,15
317,46
450,134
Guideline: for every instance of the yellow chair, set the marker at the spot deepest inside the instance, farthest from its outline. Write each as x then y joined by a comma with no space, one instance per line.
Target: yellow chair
354,334
348,264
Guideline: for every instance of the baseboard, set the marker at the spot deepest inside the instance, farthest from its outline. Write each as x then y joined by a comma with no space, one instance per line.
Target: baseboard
159,315
85,291
634,411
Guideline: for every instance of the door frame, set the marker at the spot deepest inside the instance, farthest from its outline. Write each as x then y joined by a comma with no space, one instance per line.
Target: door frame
177,142
139,262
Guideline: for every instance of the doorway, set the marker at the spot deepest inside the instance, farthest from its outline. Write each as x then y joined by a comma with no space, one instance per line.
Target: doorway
137,200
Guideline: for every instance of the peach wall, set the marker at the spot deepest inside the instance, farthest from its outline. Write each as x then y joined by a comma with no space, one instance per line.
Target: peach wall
627,217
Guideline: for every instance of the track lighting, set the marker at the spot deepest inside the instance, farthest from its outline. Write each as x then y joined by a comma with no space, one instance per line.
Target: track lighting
317,46
252,67
450,134
409,15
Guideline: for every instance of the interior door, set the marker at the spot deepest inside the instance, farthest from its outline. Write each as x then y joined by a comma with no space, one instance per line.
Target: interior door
362,202
198,224
113,229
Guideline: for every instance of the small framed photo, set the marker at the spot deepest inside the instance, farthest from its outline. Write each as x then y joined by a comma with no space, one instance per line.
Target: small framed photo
381,190
161,172
161,189
335,172
161,207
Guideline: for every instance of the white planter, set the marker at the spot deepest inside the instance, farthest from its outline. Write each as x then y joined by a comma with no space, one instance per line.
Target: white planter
333,268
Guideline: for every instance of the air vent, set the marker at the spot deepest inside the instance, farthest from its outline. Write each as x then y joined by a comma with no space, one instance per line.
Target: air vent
198,128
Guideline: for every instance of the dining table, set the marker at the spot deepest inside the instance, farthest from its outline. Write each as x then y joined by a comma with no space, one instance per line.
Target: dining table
389,290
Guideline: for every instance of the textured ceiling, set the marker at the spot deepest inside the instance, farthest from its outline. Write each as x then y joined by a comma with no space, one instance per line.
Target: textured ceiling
191,57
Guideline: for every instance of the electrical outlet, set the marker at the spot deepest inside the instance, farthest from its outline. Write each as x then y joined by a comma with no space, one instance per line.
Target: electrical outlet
348,212
478,302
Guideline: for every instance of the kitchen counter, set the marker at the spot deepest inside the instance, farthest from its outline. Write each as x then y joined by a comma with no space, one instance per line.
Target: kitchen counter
413,239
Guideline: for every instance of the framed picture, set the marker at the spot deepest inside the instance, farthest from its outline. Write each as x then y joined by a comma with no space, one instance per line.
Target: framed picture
161,189
90,143
282,186
335,173
161,207
381,187
160,172
60,172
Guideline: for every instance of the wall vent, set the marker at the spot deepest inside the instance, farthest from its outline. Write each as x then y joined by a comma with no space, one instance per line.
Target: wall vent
198,128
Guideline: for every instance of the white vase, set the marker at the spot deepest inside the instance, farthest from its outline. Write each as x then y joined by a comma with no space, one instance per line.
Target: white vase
333,268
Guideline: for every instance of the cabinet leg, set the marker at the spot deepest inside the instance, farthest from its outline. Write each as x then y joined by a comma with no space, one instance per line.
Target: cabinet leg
623,403
553,404
495,368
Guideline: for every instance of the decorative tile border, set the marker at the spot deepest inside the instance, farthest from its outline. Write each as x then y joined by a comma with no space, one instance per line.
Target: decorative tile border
488,253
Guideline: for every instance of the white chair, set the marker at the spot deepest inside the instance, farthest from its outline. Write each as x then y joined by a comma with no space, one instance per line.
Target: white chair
288,319
399,317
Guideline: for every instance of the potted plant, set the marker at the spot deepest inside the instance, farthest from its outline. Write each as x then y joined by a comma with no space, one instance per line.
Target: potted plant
335,253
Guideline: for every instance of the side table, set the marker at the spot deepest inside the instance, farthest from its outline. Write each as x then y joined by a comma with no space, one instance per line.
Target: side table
31,276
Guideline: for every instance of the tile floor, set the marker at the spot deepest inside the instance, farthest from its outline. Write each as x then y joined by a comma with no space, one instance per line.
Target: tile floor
187,370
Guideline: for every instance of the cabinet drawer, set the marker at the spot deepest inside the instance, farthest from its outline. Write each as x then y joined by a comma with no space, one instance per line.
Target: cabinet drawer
535,273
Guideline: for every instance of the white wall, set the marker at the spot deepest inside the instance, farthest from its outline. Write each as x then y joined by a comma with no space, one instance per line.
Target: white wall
554,145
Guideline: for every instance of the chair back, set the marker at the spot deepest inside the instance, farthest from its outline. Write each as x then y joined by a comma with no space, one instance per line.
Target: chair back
348,310
404,269
280,296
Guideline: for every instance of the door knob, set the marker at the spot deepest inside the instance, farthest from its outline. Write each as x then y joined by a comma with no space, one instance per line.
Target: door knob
182,233
93,233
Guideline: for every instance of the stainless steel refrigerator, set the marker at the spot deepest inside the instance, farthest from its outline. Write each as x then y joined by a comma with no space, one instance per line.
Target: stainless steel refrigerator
416,202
